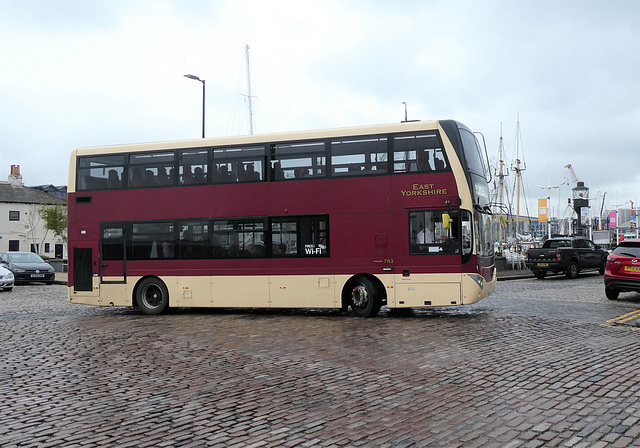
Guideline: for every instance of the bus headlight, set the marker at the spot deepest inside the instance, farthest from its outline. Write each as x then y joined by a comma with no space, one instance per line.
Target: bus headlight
479,279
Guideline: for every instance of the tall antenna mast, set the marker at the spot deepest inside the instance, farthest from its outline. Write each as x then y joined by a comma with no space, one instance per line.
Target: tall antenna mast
246,48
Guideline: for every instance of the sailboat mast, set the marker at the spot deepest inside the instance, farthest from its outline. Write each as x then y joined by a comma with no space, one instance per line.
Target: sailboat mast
501,188
518,171
548,204
249,91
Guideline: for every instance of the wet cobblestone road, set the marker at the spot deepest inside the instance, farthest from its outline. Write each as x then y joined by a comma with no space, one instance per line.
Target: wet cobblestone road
536,364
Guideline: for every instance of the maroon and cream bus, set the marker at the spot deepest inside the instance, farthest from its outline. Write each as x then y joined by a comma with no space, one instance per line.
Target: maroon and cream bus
393,215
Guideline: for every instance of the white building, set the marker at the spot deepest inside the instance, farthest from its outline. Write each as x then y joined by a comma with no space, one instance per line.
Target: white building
21,227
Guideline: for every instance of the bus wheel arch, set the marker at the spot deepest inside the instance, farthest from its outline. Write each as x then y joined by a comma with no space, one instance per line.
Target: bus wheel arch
151,295
365,294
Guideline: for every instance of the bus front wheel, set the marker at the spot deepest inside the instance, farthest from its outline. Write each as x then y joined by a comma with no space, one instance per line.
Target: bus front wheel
365,299
152,296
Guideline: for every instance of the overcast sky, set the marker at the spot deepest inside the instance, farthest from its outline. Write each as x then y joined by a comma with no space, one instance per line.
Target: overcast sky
98,72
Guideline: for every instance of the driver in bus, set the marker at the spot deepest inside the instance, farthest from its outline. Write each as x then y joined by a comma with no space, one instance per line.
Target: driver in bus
427,235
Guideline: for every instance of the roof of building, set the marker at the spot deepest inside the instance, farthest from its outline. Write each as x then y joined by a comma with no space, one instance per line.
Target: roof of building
26,195
50,187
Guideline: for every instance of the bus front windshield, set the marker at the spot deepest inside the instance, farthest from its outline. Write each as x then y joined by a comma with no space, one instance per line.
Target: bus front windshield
476,167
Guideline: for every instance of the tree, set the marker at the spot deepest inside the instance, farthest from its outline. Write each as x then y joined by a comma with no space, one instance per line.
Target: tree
32,219
55,219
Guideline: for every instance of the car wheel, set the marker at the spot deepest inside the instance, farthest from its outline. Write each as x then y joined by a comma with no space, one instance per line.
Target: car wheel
152,296
611,293
603,268
540,273
572,270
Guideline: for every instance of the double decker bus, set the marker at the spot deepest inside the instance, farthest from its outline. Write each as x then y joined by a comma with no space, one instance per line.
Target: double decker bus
393,215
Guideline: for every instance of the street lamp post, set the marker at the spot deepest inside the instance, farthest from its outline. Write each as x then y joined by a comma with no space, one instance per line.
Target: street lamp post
203,96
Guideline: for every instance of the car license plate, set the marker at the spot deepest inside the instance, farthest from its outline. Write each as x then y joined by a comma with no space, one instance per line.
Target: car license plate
543,265
37,275
632,268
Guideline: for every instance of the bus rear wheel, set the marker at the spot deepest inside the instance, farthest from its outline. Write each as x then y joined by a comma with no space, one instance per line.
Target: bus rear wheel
152,296
365,299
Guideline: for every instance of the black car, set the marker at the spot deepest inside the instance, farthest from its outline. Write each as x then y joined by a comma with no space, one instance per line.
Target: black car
28,267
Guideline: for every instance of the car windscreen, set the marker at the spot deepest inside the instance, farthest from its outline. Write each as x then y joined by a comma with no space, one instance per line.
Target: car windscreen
557,243
629,251
25,258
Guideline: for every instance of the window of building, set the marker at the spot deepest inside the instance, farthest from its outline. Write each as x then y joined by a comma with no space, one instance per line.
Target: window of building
47,248
14,215
14,245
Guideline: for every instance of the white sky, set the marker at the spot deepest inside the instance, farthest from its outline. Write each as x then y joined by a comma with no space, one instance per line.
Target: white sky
98,72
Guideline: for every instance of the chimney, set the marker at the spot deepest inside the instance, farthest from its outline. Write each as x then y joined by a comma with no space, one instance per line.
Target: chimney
15,178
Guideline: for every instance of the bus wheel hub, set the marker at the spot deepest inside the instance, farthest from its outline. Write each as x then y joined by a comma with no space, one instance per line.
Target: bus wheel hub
359,296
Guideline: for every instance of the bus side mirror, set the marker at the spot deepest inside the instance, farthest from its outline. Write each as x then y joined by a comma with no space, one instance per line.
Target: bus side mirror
446,221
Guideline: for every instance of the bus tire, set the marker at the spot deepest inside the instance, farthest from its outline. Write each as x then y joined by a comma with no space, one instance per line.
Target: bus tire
152,296
364,297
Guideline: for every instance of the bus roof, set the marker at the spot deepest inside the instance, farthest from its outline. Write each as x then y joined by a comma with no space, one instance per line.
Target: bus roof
410,126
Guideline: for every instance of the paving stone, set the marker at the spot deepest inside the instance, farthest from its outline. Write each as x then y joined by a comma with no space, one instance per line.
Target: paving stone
533,365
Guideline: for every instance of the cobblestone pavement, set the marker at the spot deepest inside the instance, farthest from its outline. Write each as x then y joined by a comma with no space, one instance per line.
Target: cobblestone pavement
536,364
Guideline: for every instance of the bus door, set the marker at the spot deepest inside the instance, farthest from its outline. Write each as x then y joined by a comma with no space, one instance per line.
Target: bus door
113,253
82,269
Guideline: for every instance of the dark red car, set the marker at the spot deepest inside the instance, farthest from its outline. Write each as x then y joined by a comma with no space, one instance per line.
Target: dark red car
623,269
